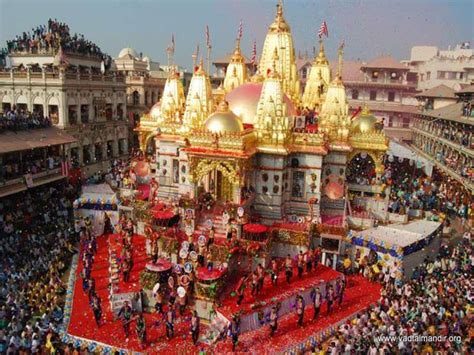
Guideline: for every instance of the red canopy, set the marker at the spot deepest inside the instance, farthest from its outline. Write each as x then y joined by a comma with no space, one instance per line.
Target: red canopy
255,228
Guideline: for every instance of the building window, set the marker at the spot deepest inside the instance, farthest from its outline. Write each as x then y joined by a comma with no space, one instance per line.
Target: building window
428,75
373,95
304,73
461,75
72,114
297,190
175,171
355,94
375,74
136,98
84,113
391,96
110,149
441,75
394,75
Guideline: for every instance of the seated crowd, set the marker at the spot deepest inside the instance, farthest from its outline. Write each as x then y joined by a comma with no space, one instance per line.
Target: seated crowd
434,302
37,244
51,37
412,189
17,120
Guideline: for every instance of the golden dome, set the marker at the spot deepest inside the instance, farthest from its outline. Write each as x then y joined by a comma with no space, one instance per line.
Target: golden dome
365,122
155,111
223,120
244,99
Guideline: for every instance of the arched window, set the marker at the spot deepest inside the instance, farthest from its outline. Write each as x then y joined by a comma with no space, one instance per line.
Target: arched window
355,94
135,98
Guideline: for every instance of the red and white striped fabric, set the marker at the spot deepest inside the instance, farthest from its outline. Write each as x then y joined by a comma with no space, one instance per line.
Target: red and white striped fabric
254,53
241,30
323,30
65,168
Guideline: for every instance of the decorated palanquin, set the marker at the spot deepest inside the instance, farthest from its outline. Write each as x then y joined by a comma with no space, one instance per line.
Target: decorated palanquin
253,136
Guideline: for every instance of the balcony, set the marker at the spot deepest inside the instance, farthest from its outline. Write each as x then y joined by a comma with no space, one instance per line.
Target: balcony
19,184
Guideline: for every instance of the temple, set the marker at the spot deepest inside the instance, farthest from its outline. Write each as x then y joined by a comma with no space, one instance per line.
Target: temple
252,138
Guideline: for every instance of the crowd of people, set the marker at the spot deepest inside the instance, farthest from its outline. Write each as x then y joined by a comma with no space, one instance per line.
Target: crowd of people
455,132
38,242
51,37
19,120
32,162
412,189
433,308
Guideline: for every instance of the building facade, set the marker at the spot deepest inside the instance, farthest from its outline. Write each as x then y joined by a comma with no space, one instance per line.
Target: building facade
81,99
446,136
433,66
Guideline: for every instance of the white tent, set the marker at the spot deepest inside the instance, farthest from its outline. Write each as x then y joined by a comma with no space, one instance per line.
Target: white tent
400,246
94,202
399,150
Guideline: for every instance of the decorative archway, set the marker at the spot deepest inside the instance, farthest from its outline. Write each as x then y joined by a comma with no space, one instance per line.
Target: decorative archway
227,169
361,166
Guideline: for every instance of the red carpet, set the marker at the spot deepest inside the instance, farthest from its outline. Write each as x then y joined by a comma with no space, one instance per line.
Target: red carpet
360,294
270,293
82,323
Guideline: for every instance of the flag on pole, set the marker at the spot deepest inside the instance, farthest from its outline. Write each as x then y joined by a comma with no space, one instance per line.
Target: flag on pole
323,30
208,38
241,30
254,53
172,43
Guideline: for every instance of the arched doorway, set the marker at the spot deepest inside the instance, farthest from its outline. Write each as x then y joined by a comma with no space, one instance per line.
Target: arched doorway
218,178
361,170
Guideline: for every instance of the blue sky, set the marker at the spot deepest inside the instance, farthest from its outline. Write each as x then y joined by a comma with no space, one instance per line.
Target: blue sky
369,27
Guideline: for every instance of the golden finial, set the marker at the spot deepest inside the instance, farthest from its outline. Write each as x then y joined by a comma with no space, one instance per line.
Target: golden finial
280,9
339,67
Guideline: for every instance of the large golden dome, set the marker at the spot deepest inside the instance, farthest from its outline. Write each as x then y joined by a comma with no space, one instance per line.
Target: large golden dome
364,123
224,120
243,101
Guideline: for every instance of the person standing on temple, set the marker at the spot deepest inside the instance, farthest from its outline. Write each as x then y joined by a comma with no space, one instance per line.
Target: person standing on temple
316,257
342,288
275,271
195,322
126,270
154,251
261,277
273,320
234,331
330,298
170,316
228,230
159,302
125,314
97,309
300,305
254,284
317,301
91,292
308,260
210,239
240,294
300,264
288,268
140,328
182,304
